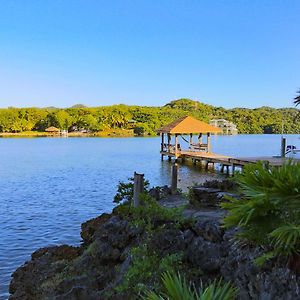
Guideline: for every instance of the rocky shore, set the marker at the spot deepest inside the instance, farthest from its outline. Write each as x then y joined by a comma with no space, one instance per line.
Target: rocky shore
123,254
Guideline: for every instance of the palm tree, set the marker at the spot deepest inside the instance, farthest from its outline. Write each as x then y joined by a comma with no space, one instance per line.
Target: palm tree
297,99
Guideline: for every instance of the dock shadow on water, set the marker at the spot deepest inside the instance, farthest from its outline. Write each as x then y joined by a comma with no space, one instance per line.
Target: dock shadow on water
49,186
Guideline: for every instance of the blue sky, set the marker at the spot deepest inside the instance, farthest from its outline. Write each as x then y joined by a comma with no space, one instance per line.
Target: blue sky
225,53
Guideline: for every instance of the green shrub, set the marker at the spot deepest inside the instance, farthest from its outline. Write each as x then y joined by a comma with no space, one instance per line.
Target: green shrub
125,191
147,263
150,213
269,211
146,269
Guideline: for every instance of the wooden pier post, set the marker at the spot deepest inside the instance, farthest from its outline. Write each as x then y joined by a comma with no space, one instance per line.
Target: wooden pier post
138,188
174,178
169,141
162,145
176,147
222,168
200,139
191,139
233,169
206,165
208,143
283,146
227,170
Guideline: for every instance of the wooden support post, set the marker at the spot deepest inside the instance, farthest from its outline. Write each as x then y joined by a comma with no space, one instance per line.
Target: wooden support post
283,146
174,178
176,146
208,143
206,165
169,141
227,170
138,188
162,145
222,168
200,139
233,169
191,139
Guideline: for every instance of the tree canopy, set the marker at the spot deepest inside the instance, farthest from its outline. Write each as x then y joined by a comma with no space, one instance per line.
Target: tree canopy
147,119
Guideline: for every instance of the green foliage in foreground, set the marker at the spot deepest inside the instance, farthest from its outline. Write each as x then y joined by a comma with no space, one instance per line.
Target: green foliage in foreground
269,211
150,213
146,269
147,119
147,261
177,288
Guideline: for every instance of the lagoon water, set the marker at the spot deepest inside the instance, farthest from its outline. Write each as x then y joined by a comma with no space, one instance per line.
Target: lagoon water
49,186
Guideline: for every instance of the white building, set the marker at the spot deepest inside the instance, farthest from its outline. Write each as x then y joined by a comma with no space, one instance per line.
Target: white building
226,126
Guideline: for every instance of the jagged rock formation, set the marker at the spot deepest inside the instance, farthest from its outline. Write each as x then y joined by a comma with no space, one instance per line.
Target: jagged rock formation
94,269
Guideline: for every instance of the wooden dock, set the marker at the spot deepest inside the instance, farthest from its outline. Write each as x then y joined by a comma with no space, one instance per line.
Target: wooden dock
201,151
225,162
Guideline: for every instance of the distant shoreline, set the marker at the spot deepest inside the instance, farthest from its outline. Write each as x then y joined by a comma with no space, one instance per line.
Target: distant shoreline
110,133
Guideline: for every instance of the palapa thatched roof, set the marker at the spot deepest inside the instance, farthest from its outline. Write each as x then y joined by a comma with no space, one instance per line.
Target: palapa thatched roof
188,125
52,129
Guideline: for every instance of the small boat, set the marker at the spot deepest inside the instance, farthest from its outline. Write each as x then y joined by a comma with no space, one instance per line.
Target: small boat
292,151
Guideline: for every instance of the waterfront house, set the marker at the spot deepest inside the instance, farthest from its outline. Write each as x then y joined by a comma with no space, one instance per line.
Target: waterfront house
226,126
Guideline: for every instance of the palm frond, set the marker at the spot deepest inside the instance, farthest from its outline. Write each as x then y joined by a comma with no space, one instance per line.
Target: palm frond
177,288
287,238
219,291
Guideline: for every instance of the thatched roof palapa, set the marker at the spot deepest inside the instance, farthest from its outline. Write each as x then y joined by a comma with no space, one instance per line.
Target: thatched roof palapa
52,129
187,125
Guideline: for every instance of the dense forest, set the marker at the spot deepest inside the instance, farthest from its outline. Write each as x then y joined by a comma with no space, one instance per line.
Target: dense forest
144,119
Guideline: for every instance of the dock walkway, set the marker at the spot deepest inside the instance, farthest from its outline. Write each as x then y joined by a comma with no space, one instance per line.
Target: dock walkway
226,161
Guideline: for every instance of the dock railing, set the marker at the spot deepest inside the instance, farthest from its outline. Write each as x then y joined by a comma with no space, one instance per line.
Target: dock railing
170,148
198,147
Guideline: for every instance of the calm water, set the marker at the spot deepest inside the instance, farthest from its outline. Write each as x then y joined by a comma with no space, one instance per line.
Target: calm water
49,186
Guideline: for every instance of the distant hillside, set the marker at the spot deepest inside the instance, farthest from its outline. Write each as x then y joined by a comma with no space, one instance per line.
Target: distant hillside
146,119
78,106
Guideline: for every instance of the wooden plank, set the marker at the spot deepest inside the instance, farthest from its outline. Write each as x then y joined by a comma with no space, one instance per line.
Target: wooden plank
227,160
272,160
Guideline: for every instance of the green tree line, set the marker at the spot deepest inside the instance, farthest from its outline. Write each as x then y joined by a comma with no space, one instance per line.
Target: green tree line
146,119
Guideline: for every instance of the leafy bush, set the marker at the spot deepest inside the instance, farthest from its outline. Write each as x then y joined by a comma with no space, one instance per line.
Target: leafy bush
146,269
148,263
125,190
139,130
269,211
287,239
177,288
150,214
